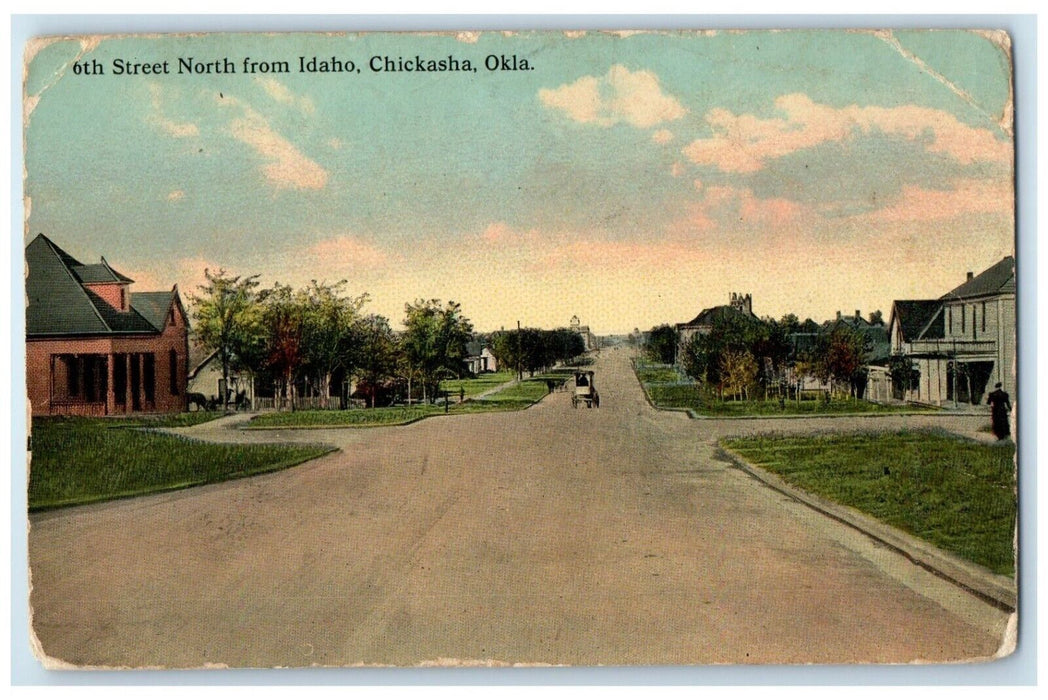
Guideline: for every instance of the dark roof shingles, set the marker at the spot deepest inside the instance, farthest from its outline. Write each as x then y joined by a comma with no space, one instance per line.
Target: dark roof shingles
998,279
60,305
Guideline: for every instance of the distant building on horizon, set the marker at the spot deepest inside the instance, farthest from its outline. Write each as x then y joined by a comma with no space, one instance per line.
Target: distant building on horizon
588,339
739,306
92,347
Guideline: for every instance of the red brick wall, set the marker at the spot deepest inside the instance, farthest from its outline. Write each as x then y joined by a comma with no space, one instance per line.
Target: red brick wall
110,292
39,352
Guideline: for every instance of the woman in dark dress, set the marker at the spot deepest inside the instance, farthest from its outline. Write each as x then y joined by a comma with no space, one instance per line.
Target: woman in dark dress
1000,408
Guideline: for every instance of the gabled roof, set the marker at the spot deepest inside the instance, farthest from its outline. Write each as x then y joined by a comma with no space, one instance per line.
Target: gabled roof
60,304
707,317
919,319
207,359
475,348
999,279
153,306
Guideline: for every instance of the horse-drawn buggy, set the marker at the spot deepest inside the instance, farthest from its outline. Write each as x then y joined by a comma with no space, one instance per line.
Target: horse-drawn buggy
585,391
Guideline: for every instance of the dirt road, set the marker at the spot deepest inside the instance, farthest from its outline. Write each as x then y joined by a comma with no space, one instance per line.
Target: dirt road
550,536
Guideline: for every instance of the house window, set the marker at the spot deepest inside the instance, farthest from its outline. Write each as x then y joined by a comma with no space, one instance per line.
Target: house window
123,299
963,314
172,361
949,318
984,317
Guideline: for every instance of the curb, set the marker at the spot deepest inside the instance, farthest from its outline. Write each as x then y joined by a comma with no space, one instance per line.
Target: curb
999,591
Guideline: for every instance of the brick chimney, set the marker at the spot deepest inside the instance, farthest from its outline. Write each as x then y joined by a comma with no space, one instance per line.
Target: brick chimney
970,275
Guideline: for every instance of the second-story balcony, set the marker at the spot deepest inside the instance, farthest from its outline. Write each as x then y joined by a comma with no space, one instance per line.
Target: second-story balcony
961,349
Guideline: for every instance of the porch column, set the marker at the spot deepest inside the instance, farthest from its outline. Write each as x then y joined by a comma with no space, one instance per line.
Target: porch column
110,388
51,387
142,380
81,380
128,387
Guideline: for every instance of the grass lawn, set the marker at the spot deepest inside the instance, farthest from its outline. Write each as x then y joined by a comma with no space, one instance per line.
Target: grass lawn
513,398
81,460
957,494
657,374
692,396
482,383
667,388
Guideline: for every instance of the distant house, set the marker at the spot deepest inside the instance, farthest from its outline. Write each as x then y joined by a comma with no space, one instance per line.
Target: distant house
962,342
206,379
479,358
93,347
739,306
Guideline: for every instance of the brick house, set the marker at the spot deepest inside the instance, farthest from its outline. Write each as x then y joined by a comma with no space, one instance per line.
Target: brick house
94,348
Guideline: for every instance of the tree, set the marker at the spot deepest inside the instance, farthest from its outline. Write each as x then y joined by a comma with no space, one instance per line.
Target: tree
839,357
702,356
283,323
738,371
662,344
506,347
904,374
224,317
434,342
329,319
377,352
876,318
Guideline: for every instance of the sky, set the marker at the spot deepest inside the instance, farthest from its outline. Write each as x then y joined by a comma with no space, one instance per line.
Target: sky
629,179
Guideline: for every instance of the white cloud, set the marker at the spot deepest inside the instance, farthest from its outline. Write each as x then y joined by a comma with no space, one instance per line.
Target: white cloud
621,96
178,130
280,93
176,195
743,143
286,167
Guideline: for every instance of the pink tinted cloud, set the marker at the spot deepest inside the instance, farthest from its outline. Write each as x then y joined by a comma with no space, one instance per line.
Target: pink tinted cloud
726,208
501,233
743,143
967,197
346,251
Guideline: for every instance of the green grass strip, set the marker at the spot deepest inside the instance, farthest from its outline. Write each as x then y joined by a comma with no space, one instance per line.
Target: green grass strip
958,494
83,460
515,397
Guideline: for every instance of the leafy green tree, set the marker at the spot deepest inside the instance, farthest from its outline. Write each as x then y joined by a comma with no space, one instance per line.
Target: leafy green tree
328,337
904,374
703,355
662,344
225,320
377,353
434,342
839,357
738,372
283,323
